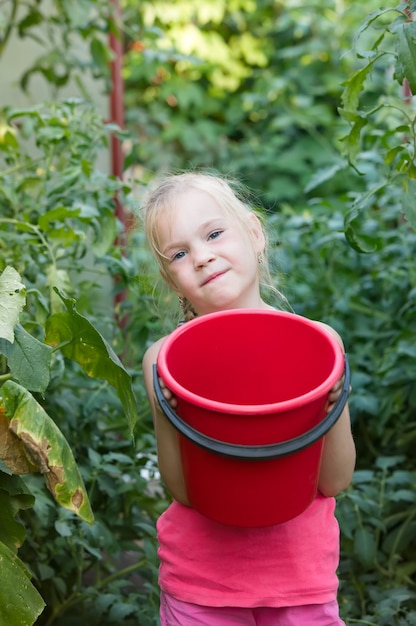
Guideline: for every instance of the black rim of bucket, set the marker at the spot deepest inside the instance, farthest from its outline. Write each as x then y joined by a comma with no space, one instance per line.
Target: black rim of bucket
257,452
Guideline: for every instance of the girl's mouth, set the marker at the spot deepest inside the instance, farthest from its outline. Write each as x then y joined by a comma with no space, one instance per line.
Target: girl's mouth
213,277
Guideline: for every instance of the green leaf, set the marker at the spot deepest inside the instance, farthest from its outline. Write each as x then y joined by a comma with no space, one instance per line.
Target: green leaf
352,140
57,279
9,194
358,240
353,87
12,301
119,611
14,496
372,17
66,179
322,175
33,18
365,546
63,528
20,602
106,236
363,476
47,448
406,54
387,462
8,140
58,214
29,360
99,52
81,342
354,223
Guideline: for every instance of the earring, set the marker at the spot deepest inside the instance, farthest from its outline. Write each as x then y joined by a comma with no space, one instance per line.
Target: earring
260,258
181,301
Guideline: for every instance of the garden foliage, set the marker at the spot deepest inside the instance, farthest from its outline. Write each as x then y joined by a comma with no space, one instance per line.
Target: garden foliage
310,105
61,375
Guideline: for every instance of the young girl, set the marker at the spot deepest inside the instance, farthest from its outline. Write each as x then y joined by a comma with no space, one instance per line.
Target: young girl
211,250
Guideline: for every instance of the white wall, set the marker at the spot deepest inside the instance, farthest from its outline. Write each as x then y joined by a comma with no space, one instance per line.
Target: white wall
18,56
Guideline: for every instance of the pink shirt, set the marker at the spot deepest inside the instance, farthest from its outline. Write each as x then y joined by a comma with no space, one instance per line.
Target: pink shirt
211,564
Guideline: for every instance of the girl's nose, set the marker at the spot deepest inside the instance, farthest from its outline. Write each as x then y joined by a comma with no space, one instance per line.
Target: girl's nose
202,255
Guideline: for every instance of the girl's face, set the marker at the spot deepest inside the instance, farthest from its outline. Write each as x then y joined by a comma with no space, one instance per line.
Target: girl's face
211,257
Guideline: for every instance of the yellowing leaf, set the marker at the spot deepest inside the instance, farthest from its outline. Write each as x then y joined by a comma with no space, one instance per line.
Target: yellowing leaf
12,451
12,301
46,448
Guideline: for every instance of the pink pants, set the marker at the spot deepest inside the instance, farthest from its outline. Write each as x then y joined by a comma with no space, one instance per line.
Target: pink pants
176,613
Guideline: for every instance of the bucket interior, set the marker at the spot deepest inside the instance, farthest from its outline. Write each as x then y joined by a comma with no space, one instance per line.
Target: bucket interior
250,358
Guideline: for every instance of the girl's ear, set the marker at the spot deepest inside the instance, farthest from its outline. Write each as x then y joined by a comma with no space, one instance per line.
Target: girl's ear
257,232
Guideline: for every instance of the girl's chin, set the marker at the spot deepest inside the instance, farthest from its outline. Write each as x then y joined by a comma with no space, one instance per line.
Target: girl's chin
223,301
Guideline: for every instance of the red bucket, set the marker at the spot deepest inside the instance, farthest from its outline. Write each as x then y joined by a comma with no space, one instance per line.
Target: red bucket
252,389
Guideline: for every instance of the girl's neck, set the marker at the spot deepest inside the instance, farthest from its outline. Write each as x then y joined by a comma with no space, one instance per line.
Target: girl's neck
259,305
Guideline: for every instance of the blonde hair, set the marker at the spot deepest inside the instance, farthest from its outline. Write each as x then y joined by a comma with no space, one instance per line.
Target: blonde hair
160,201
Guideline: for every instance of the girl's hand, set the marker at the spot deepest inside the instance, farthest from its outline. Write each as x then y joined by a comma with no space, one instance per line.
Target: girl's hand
168,394
335,392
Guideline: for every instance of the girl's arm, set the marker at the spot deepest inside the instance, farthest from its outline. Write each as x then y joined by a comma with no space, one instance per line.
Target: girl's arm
168,452
338,457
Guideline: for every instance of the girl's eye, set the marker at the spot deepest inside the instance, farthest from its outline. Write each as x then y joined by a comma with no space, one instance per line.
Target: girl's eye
178,255
215,234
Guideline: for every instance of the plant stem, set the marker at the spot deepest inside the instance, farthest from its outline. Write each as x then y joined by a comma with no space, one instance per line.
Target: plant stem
119,573
78,597
36,230
21,166
9,28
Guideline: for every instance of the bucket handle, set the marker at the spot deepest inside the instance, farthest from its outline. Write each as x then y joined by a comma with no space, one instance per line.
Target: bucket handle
257,452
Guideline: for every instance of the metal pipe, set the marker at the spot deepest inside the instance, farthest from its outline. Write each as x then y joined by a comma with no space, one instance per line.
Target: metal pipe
116,100
117,157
